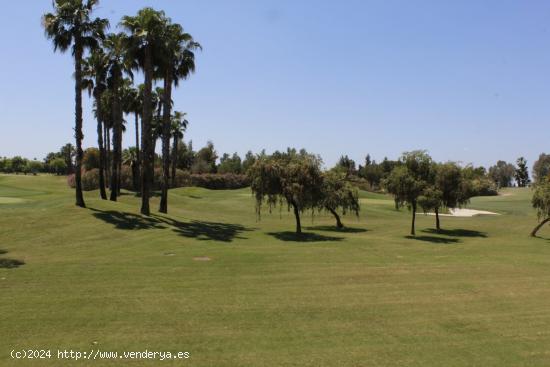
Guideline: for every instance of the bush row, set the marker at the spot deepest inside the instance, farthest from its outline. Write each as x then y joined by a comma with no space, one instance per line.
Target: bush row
227,181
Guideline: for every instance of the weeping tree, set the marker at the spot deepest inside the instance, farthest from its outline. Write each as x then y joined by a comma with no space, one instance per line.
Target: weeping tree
408,181
541,202
338,194
290,178
71,25
448,190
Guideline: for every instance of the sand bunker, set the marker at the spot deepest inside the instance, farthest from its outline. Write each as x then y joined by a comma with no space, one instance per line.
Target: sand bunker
464,213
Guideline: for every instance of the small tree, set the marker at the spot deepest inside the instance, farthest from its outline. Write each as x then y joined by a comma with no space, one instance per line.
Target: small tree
408,181
522,173
58,166
91,159
34,167
230,164
541,168
18,164
338,193
541,202
449,190
291,178
502,174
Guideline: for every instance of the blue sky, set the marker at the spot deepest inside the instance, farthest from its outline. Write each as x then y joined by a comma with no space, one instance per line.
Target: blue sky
467,80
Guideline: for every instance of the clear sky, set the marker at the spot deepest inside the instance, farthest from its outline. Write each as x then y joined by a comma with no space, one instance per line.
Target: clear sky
467,80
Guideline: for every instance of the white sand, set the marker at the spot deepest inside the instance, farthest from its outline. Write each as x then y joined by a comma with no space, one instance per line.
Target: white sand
464,213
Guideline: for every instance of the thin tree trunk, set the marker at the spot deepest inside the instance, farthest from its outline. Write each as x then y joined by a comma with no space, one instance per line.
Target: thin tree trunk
339,223
138,155
119,158
78,123
146,132
539,226
108,165
297,215
117,132
174,159
437,222
413,232
101,148
163,208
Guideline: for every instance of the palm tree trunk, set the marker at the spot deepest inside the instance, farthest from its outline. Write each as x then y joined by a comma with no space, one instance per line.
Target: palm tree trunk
138,155
108,161
146,132
101,148
539,226
174,159
163,208
339,223
119,158
437,222
117,132
78,123
413,232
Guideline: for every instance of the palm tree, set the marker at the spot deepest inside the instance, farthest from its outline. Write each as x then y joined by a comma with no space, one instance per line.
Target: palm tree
145,41
177,62
71,24
179,125
95,71
117,63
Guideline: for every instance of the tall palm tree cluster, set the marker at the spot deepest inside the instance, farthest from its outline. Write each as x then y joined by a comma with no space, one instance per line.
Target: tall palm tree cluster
105,63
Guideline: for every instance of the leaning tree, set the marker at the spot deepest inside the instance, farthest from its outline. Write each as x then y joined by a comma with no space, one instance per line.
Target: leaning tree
338,193
541,202
290,178
71,25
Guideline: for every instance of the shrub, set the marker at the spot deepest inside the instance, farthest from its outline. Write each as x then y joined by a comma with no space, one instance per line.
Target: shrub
227,181
90,180
484,186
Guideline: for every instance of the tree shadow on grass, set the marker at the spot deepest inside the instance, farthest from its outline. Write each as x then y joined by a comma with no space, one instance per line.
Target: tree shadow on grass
9,263
433,239
207,231
201,230
336,229
456,232
128,221
303,237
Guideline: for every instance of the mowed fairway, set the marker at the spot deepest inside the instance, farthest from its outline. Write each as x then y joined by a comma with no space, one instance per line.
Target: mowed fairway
212,280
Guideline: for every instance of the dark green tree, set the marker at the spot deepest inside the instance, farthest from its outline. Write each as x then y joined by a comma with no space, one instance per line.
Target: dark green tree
522,172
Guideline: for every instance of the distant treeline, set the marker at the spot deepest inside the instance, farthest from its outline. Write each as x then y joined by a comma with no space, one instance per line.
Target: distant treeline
205,168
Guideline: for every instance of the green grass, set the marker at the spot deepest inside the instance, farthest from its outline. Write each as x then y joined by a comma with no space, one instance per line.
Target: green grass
107,278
